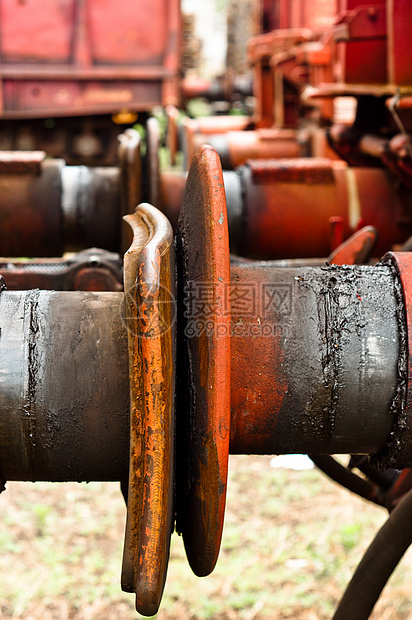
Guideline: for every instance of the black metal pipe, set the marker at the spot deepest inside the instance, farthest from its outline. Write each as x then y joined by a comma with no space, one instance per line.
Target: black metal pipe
91,208
64,391
55,208
314,359
340,474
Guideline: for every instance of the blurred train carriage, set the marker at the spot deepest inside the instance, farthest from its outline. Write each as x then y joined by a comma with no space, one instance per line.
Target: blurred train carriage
71,70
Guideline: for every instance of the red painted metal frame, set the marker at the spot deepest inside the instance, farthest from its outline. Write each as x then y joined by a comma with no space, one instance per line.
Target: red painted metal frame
362,43
373,48
313,14
80,58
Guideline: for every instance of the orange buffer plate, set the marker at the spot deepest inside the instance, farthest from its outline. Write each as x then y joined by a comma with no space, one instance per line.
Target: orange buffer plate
203,379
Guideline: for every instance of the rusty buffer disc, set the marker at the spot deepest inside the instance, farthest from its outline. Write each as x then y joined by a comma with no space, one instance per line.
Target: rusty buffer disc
203,362
149,314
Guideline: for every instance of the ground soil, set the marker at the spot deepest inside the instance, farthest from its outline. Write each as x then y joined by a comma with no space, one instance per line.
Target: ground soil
291,541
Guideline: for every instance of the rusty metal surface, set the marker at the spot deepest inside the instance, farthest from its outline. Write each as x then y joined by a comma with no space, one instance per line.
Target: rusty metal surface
309,171
319,192
362,51
90,270
149,293
62,417
357,250
363,22
372,47
290,219
236,147
203,403
264,46
196,132
300,359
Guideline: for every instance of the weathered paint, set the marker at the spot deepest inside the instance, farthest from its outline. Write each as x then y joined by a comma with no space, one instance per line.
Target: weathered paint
76,57
203,416
149,281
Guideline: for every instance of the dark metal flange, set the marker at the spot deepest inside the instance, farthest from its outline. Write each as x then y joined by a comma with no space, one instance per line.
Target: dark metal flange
203,412
149,286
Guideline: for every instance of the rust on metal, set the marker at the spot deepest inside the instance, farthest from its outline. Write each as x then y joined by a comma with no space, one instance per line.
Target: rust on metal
258,381
289,219
149,281
87,59
235,147
306,170
297,337
357,249
204,362
306,382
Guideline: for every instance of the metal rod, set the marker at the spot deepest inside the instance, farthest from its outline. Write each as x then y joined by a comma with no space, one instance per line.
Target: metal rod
314,359
64,392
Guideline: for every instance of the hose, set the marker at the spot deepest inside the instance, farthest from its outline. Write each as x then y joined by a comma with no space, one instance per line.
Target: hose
378,563
337,472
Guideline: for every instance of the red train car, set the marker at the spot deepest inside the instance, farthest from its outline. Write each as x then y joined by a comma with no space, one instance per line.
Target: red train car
316,15
90,60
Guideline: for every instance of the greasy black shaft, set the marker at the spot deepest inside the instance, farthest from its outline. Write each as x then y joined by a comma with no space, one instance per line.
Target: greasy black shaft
315,355
64,394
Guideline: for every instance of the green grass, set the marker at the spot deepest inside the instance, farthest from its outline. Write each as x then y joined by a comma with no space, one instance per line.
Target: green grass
291,541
